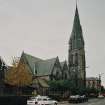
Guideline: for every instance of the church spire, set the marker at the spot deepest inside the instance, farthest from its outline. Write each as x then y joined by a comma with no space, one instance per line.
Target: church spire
76,19
76,53
76,38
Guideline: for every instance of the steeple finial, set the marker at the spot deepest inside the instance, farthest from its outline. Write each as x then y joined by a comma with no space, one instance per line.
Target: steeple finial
76,3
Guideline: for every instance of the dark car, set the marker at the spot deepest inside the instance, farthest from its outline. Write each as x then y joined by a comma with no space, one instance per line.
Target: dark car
78,99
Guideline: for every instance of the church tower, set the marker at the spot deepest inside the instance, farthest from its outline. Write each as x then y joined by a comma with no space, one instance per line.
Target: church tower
76,56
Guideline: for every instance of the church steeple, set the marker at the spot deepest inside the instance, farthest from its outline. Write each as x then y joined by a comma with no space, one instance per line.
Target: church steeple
76,56
76,39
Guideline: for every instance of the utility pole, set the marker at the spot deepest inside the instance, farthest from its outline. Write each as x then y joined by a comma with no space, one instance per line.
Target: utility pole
100,82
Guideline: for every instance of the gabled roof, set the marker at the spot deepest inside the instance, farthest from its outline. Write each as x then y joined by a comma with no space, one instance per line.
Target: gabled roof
31,60
39,82
63,64
43,83
45,67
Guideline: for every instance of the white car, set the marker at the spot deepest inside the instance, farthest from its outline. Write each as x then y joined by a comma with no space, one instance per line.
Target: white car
100,96
75,96
41,100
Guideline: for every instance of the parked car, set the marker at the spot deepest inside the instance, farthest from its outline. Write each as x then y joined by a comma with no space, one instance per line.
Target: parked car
41,100
93,95
74,98
103,94
78,99
100,96
83,98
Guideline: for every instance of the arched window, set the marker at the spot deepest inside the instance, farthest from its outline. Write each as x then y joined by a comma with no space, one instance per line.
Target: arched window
65,76
71,59
76,59
57,75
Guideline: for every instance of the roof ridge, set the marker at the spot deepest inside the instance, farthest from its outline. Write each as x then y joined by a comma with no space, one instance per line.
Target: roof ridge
50,59
32,56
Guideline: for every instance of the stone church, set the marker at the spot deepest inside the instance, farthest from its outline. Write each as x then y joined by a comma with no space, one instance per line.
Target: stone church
49,69
53,69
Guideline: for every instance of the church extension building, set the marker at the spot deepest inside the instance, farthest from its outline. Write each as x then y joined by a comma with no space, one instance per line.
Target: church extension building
76,54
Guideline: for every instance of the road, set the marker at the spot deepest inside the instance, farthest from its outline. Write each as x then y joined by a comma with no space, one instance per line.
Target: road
90,102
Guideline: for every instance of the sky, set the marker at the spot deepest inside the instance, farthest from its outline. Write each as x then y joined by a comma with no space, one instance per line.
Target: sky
42,28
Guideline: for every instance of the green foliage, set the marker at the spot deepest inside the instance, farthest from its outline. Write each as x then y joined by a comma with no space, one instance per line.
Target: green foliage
102,89
69,85
62,84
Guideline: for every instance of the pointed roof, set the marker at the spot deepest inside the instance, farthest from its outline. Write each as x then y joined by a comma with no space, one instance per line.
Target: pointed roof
45,67
76,36
76,19
37,82
63,64
31,60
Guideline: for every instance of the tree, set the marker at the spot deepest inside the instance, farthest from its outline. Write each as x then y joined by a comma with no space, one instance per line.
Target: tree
18,75
62,84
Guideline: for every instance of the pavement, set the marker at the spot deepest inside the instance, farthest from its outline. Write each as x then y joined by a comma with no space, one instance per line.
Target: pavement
90,102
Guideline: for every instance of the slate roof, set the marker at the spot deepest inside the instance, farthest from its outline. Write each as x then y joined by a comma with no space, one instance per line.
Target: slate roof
45,67
43,83
39,82
63,63
31,60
